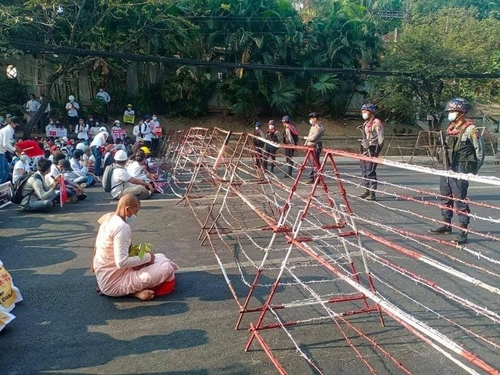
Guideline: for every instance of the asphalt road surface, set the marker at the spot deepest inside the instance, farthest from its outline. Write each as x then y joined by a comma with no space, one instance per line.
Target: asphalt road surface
64,327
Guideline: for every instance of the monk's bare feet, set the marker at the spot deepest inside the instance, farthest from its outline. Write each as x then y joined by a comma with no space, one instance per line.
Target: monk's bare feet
145,295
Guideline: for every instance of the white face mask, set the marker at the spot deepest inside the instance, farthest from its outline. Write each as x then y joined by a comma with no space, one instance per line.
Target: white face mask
23,157
365,115
155,118
452,116
130,219
311,122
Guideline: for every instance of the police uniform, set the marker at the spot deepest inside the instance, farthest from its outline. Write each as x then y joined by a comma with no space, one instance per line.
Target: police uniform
462,156
313,139
291,137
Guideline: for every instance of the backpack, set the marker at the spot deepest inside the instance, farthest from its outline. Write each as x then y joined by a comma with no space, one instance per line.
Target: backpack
106,177
17,195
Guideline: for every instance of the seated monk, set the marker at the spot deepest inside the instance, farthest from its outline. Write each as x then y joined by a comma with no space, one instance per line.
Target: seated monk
119,274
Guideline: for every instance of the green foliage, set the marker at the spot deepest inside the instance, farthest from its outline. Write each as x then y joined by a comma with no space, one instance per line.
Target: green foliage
12,96
436,48
139,250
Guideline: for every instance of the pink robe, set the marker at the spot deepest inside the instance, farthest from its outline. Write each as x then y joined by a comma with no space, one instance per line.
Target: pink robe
114,268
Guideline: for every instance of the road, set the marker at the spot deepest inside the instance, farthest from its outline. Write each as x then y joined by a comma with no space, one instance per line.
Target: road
64,327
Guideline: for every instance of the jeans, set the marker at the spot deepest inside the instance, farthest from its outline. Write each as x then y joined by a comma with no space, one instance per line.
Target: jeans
98,160
4,169
453,187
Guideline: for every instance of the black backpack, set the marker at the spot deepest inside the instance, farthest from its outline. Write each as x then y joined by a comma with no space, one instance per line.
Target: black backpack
106,177
17,195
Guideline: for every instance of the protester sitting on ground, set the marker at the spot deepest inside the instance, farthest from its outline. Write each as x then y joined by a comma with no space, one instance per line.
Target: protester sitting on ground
138,168
21,167
69,174
39,196
119,274
123,183
54,150
75,192
79,169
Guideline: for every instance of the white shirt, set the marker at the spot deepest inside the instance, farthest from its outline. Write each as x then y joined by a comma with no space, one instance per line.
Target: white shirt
99,139
146,131
32,105
47,109
104,96
82,131
6,139
135,170
154,125
72,108
19,168
136,132
129,112
119,181
54,172
78,168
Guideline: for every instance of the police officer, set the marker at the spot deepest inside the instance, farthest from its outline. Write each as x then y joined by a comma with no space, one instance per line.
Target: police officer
371,145
291,137
313,140
274,136
465,154
259,144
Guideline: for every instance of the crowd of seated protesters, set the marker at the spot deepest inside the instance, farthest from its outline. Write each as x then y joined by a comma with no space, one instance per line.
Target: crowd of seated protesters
74,161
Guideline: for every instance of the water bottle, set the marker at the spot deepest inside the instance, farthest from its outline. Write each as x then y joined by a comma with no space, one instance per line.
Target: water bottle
169,177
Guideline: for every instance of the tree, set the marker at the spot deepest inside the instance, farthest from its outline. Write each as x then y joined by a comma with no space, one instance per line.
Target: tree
114,25
435,49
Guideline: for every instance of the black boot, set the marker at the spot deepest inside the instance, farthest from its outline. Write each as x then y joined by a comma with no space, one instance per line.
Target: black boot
265,165
443,229
272,168
289,174
366,194
461,237
371,196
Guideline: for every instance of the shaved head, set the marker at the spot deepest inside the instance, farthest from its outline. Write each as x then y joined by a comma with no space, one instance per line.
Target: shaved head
127,205
129,200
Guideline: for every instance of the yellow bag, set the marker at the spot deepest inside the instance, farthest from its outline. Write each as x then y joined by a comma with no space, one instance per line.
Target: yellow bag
9,294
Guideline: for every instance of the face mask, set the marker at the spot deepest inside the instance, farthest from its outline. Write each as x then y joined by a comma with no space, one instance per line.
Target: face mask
366,116
257,129
452,116
51,122
100,90
130,219
311,122
155,118
41,98
23,157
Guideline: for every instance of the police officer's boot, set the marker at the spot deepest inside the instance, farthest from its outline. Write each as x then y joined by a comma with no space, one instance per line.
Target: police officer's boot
461,237
443,229
289,173
366,194
371,196
272,168
265,165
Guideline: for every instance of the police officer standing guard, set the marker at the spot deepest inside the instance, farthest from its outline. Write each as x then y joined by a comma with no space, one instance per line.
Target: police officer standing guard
371,145
465,155
313,140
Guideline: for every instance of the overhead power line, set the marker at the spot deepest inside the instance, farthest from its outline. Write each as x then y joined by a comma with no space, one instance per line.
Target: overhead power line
41,48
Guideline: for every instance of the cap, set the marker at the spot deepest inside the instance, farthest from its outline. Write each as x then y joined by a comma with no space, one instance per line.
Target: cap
286,119
129,105
81,146
54,147
146,150
121,155
64,149
258,124
78,154
271,122
117,121
147,117
16,120
370,107
313,115
65,163
103,129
